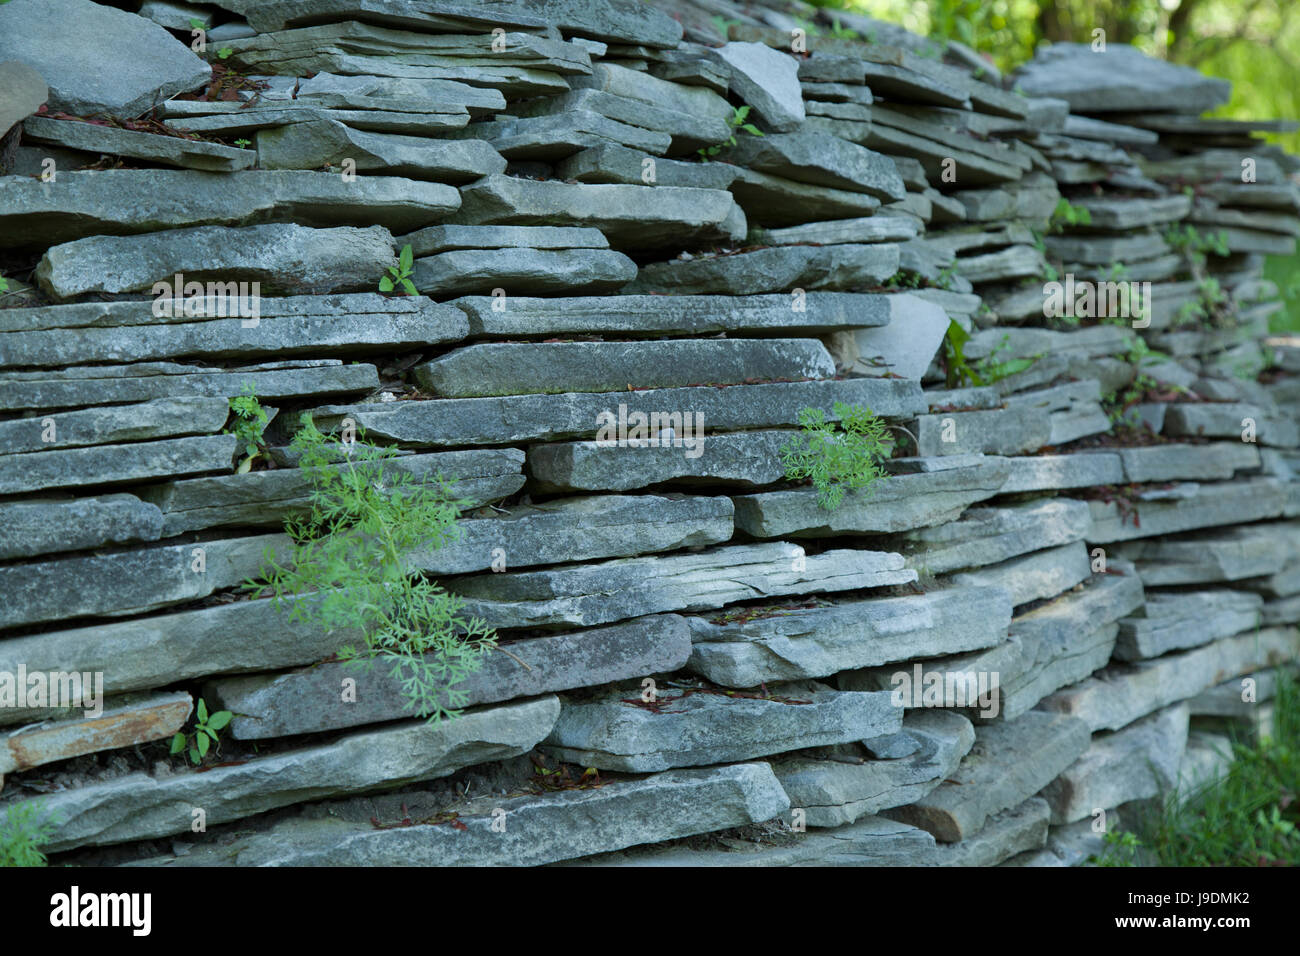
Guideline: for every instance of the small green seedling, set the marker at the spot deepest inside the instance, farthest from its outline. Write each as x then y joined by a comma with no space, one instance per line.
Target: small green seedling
243,143
1065,214
837,457
985,371
400,274
225,52
4,284
250,422
204,735
25,828
738,122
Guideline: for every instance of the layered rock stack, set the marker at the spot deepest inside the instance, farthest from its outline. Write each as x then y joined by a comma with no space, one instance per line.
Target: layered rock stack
612,209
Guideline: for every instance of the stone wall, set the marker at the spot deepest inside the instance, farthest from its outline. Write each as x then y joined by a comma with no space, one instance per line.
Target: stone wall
576,255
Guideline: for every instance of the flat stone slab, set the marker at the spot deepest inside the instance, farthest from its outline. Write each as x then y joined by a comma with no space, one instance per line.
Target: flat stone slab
1225,700
776,202
553,367
813,312
1174,620
838,790
267,497
1120,79
1225,420
1010,762
25,92
905,347
162,418
169,150
1136,763
1228,554
34,526
509,419
128,201
310,700
895,503
1220,460
1014,430
1125,692
234,119
114,62
281,258
1124,214
796,643
840,231
775,269
434,239
766,79
539,829
83,385
1042,574
327,142
1186,507
820,160
1060,472
740,458
708,727
139,806
633,217
522,270
614,163
984,536
630,587
115,464
120,725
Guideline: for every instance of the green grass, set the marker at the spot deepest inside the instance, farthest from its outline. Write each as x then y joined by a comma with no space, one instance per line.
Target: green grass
1249,817
1285,272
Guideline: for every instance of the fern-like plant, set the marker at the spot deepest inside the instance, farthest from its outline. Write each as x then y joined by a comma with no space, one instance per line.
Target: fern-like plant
250,421
837,457
25,829
350,569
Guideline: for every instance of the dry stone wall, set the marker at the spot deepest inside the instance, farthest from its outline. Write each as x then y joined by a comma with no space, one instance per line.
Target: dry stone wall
700,664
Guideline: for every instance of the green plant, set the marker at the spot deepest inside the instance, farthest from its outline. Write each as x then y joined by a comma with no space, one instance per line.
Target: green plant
842,32
4,284
243,143
204,734
837,459
350,569
1065,214
400,274
905,279
26,828
1121,848
985,371
250,421
738,122
225,52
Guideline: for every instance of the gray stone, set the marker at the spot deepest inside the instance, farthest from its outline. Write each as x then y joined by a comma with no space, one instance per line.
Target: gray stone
1124,214
1118,79
283,258
693,100
466,271
896,503
540,829
126,201
435,239
227,119
89,385
1226,420
775,201
1009,763
115,464
1229,554
496,421
129,582
1042,574
1013,430
25,92
33,526
984,536
742,458
1123,693
709,727
688,131
1185,507
169,150
1187,462
1227,700
791,644
1136,763
833,792
903,348
840,231
630,587
554,138
163,418
554,367
821,160
311,145
612,163
629,216
767,80
267,497
776,269
112,62
308,700
1174,620
139,806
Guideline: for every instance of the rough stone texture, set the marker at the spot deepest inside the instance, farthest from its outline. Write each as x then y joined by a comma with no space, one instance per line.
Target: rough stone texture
905,347
821,160
33,526
690,729
139,806
767,80
1228,554
795,643
776,269
616,590
115,464
169,150
837,790
552,367
895,503
988,535
1014,430
1185,507
309,700
1059,472
1171,621
523,270
1043,574
1009,763
1136,763
25,91
162,418
1118,79
311,145
539,830
112,62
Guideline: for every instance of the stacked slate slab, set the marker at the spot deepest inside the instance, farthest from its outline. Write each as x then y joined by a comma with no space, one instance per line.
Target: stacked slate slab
1079,577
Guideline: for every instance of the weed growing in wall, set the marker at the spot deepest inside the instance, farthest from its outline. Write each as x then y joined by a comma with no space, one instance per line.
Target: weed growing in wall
837,457
986,371
400,274
23,831
250,421
738,122
205,734
349,570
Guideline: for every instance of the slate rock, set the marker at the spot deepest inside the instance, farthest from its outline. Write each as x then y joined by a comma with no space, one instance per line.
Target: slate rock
767,80
987,535
1042,574
115,464
1118,79
25,93
776,269
821,160
168,150
163,418
462,272
35,526
313,144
